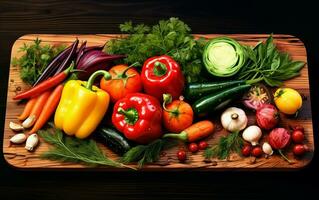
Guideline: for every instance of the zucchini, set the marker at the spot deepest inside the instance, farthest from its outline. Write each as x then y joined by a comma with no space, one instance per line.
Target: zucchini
114,140
218,100
195,91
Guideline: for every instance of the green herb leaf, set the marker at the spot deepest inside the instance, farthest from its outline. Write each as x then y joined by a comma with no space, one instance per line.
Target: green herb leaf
171,37
70,149
34,60
146,153
226,145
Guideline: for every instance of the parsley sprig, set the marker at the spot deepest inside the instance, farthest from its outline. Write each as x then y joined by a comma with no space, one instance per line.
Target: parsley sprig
171,37
35,59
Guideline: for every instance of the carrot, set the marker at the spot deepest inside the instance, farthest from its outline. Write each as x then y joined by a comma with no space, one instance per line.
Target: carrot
48,108
195,132
27,109
36,110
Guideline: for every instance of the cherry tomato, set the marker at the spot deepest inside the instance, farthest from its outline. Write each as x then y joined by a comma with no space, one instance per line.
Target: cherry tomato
193,147
257,152
202,145
299,149
297,136
246,150
181,155
298,128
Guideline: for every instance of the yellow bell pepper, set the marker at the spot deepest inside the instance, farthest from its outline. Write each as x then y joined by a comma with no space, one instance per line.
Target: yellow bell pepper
82,106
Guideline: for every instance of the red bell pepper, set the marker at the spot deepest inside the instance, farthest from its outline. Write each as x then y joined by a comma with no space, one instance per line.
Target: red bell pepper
138,116
161,75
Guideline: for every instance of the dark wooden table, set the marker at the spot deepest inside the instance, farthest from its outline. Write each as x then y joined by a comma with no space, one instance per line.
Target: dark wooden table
22,17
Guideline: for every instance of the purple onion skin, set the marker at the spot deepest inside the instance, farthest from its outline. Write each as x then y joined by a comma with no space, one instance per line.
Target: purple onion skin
94,60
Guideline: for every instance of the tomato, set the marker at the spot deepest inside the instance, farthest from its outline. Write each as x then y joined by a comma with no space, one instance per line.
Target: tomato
202,145
181,155
177,116
246,150
193,147
257,152
297,136
288,100
125,80
299,149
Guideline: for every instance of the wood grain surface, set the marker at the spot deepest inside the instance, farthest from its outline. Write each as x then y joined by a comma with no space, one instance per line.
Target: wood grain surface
18,156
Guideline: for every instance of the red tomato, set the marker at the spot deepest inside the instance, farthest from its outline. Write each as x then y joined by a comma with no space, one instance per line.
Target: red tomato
193,147
297,136
177,116
124,81
202,145
257,152
181,155
246,150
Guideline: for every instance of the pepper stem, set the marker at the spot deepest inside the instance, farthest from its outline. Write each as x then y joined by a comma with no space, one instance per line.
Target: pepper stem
90,82
123,75
159,68
131,115
167,99
181,136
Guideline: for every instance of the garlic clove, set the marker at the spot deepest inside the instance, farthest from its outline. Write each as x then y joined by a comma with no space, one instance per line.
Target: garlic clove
15,127
32,142
267,149
29,121
18,138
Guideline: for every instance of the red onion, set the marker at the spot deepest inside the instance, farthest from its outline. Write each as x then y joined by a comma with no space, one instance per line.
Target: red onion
279,139
267,116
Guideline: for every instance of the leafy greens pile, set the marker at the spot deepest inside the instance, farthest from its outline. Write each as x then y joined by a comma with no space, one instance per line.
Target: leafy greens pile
35,59
267,63
171,37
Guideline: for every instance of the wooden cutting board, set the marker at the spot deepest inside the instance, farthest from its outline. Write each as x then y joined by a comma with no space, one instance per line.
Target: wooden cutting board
17,156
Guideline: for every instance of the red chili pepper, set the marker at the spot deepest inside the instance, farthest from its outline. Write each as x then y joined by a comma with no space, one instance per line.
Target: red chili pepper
162,75
45,85
138,116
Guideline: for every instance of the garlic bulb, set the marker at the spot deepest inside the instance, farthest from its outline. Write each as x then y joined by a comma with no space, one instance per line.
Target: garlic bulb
18,138
234,119
252,134
32,141
267,149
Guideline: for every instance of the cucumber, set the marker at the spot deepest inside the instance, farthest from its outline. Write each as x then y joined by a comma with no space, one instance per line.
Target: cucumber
195,91
114,140
218,100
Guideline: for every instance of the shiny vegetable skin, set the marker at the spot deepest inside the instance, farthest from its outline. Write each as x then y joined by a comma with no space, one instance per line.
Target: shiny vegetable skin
194,91
195,132
161,75
48,109
125,80
27,109
45,85
114,140
218,100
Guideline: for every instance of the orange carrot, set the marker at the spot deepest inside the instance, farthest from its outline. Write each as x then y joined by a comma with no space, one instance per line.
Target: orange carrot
27,109
195,132
36,110
48,108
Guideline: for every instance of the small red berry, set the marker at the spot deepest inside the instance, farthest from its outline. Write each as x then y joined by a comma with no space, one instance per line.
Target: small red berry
299,149
202,145
297,136
181,155
193,147
246,150
257,152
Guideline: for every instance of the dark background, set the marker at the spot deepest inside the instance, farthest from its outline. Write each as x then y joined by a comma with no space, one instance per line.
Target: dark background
226,16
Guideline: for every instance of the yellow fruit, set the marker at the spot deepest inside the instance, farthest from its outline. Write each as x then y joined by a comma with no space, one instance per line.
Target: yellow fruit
288,100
